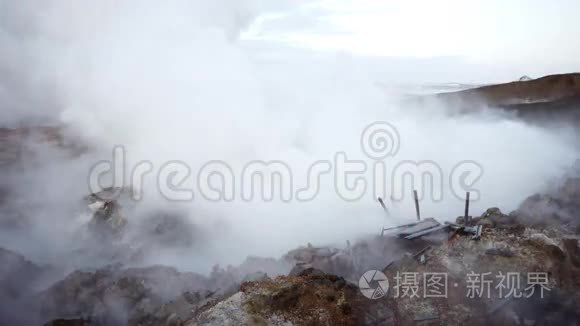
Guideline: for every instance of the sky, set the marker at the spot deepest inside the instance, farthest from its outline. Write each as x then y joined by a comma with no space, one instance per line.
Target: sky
539,37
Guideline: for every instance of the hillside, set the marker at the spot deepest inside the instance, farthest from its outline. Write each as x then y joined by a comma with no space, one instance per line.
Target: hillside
545,89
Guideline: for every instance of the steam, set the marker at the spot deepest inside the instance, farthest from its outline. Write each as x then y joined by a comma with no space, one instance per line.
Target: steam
173,80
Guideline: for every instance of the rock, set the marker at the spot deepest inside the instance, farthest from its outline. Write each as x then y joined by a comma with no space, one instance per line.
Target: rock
325,252
72,322
174,312
311,272
106,195
303,255
134,296
255,277
494,217
168,229
306,300
299,268
227,312
558,206
107,221
342,262
543,241
493,211
571,247
570,191
485,222
19,143
309,254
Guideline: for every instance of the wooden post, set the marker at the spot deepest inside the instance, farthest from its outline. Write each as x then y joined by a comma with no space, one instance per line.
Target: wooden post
466,218
383,205
417,205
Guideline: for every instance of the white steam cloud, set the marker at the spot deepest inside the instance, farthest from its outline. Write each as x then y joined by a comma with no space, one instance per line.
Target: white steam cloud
172,80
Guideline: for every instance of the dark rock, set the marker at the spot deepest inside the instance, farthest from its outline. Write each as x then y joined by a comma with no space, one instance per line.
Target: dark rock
170,229
286,297
556,207
493,211
340,283
571,247
311,272
107,222
544,242
135,296
72,322
299,268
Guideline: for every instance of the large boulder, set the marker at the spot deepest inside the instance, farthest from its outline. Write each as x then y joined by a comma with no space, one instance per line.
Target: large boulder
309,299
135,296
17,275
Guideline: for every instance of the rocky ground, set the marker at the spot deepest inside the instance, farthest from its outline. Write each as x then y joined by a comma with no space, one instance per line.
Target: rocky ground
317,285
322,287
312,294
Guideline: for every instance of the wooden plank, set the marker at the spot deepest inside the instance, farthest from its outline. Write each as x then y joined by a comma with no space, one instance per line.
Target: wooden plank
421,226
425,232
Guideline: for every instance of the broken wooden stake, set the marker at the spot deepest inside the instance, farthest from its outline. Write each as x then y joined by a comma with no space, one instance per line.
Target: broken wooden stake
417,205
383,205
467,219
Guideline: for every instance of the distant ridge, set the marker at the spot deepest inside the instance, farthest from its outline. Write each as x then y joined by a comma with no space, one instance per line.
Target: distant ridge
544,89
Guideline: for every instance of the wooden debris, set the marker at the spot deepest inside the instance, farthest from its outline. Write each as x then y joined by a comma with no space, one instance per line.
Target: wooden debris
408,229
417,205
425,232
383,205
